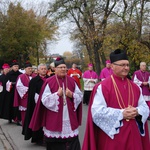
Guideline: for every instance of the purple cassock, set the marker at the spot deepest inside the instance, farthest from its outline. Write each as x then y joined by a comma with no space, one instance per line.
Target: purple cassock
139,77
106,129
106,72
52,118
90,74
21,94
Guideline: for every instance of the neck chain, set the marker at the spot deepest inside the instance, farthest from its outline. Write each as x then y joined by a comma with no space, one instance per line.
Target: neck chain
119,96
143,76
64,97
91,72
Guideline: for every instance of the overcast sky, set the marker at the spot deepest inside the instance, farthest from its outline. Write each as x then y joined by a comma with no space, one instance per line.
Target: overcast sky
64,44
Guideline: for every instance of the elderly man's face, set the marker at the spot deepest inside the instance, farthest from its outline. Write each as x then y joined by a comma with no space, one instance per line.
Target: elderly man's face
121,68
143,67
61,70
42,70
28,70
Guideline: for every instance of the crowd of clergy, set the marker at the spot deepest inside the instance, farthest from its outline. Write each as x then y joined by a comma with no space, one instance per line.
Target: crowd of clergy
47,102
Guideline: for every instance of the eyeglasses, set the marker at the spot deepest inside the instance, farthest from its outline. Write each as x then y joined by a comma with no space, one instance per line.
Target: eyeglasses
122,65
62,67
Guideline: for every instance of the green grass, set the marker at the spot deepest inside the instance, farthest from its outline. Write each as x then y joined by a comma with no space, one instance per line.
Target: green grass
82,84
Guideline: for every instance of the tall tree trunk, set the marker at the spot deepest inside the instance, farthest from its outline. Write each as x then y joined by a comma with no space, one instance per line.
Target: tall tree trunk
97,58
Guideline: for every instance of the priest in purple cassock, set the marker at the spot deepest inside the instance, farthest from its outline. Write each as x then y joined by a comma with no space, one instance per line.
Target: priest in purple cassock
90,78
142,78
117,114
59,110
21,91
106,72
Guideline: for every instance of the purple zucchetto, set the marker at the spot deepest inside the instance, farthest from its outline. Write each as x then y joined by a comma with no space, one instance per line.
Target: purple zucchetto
107,62
90,65
5,65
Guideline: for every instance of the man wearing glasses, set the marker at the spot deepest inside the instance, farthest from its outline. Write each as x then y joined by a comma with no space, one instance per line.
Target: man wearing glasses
117,116
59,110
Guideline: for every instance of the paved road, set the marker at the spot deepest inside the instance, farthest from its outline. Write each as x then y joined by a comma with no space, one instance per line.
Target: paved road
11,137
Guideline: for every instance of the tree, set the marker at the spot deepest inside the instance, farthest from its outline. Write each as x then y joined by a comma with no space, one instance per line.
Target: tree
67,55
102,26
90,18
23,35
70,59
131,24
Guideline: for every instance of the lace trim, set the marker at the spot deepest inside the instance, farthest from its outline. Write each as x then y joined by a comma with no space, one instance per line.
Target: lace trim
21,88
21,108
25,90
110,124
51,102
77,100
146,98
66,131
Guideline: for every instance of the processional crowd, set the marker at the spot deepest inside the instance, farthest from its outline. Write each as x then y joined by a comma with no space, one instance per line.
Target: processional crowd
48,103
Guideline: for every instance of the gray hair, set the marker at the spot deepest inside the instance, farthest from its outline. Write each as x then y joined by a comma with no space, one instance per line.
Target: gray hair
142,63
41,65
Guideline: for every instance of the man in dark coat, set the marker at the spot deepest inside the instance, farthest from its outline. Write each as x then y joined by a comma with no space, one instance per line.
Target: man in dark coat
9,111
3,91
33,94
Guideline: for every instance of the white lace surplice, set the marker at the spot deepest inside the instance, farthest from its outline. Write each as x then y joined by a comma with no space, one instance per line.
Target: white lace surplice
139,83
21,91
110,119
50,101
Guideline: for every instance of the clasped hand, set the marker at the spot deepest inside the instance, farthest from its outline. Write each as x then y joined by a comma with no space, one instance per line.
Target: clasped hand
130,112
68,92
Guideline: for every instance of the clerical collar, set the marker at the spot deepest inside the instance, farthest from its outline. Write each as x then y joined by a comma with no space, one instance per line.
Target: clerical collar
119,78
42,76
28,74
59,77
